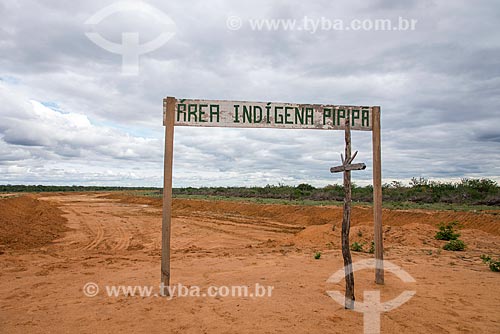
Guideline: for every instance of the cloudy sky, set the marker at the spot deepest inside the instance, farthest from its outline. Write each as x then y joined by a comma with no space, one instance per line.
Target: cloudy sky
69,115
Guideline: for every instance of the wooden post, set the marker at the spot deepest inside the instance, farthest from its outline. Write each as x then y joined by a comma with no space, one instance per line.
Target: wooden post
377,198
346,222
168,119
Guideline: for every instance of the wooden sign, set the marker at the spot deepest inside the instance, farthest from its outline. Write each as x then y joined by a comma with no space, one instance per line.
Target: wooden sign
238,114
241,114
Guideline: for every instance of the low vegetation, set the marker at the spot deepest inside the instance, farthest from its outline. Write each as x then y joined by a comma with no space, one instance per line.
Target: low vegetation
447,232
455,245
41,188
357,247
422,191
419,192
494,265
372,247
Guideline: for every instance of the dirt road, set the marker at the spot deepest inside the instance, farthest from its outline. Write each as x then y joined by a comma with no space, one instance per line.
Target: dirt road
115,241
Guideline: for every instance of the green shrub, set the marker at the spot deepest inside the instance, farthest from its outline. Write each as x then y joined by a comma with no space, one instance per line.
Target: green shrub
305,187
447,232
372,248
317,255
485,258
494,265
357,247
455,245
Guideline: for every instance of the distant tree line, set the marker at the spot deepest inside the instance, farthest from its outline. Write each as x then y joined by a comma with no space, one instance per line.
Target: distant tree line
421,190
42,188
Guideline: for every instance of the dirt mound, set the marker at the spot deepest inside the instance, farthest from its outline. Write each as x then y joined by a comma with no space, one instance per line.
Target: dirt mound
26,222
318,236
323,237
411,235
487,221
319,215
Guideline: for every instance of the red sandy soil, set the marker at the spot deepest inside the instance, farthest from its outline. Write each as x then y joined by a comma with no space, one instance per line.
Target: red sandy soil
28,223
54,244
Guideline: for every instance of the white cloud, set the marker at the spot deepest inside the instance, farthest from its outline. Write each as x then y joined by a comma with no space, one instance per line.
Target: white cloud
40,144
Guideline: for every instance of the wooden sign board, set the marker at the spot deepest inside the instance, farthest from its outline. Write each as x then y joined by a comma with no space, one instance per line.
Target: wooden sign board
242,114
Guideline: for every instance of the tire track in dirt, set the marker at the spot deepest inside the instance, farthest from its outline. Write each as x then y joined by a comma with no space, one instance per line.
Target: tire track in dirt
251,225
110,235
249,222
203,225
97,231
241,230
123,238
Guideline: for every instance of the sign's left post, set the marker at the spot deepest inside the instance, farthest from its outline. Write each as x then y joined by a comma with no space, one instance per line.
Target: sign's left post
168,122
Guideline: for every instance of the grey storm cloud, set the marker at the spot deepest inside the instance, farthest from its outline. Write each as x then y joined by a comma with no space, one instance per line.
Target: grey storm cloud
68,116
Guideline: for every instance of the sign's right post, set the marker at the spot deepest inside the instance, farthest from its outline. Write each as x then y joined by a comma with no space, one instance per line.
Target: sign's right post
377,197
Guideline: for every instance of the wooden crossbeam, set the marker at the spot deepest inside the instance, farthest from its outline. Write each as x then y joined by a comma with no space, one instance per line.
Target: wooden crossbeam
349,167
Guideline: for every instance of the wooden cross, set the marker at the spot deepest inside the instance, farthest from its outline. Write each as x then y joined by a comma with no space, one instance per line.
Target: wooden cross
346,167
